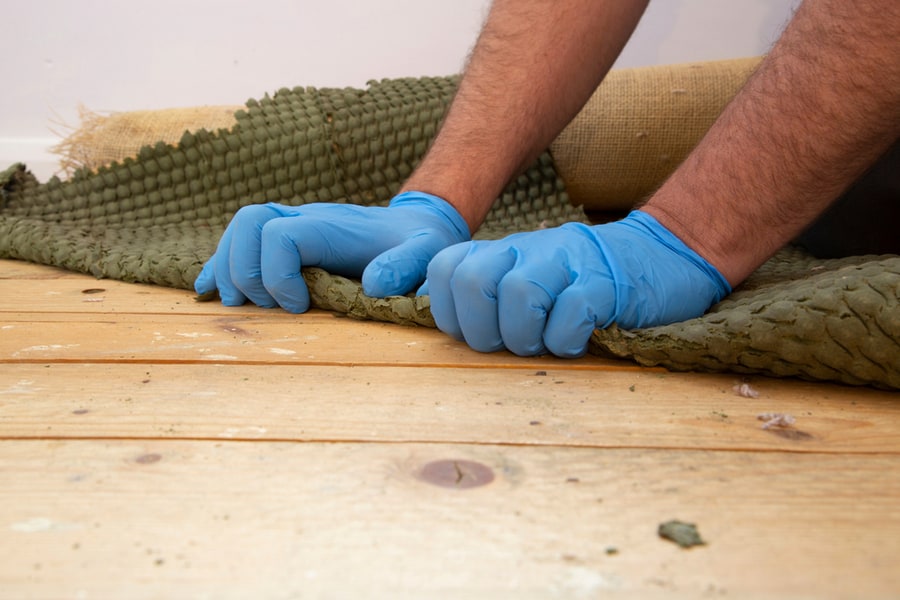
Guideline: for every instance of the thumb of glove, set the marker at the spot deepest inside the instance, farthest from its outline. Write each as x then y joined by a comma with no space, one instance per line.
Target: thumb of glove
397,271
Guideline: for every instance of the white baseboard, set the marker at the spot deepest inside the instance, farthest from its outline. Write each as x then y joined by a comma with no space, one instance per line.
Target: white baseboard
33,151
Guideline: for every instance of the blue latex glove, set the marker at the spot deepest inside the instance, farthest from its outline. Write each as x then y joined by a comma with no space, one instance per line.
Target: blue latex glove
263,248
548,290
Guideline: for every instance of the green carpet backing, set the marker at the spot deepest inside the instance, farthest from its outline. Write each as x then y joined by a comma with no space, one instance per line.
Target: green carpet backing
156,218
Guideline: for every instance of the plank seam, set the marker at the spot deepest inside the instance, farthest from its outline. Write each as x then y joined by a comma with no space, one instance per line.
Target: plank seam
273,440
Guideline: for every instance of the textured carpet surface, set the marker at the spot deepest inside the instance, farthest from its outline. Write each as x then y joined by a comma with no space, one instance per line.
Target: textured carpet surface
157,217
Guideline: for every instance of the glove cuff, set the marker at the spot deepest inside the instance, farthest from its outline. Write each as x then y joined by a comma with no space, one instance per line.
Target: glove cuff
437,204
646,222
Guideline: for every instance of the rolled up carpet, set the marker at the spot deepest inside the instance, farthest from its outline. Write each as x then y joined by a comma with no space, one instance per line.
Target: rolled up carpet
157,216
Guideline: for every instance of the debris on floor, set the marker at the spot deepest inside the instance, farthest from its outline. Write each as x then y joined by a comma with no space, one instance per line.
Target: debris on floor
746,390
683,534
773,419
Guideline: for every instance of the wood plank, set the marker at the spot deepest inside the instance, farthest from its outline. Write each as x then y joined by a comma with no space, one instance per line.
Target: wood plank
316,337
20,269
321,403
53,319
55,290
275,520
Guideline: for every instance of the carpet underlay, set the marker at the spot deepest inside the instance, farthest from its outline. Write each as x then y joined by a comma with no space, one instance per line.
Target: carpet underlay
156,218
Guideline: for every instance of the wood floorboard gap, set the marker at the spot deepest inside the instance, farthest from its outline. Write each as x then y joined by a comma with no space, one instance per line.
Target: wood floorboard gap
333,363
413,442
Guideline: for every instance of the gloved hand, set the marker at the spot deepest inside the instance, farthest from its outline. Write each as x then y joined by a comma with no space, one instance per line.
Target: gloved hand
548,290
263,248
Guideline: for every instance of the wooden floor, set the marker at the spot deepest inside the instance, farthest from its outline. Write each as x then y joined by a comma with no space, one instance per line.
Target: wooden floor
155,447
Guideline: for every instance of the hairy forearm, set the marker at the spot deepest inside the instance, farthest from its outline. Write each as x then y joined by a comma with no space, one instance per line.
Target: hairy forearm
534,66
823,105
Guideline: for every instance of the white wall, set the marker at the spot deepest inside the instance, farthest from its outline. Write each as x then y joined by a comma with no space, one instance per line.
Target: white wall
126,55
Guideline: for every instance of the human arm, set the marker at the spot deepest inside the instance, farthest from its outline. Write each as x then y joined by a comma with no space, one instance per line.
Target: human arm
535,64
822,106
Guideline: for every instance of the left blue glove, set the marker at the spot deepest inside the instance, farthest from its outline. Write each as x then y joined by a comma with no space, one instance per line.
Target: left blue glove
260,255
548,290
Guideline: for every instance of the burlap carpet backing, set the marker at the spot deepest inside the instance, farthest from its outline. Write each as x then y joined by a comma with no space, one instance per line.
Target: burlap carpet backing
638,127
102,139
156,216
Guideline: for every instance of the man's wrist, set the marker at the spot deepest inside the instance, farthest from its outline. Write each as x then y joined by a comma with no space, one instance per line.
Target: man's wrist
695,233
473,209
646,221
438,205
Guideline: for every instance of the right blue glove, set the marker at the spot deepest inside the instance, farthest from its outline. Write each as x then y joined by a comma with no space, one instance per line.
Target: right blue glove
263,248
547,290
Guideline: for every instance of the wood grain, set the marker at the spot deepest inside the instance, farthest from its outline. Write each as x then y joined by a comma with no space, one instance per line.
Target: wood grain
401,404
280,520
65,292
275,338
154,447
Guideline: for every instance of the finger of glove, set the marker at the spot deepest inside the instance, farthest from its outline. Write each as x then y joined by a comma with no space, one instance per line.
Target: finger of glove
398,270
526,296
221,268
281,261
474,286
206,280
578,310
439,274
246,249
